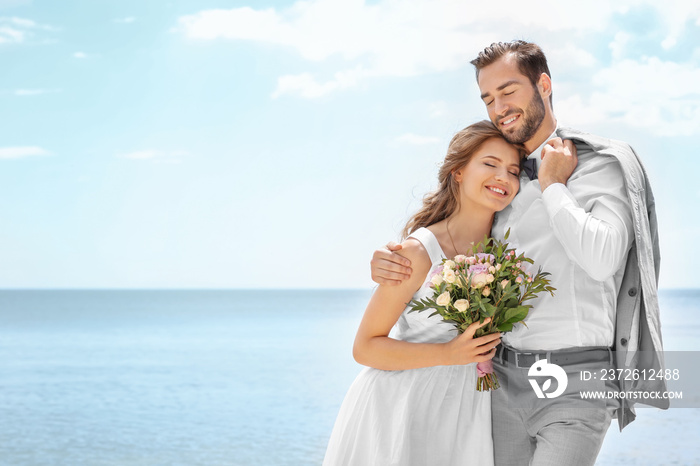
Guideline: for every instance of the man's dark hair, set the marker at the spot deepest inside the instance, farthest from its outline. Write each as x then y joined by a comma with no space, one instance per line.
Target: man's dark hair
529,57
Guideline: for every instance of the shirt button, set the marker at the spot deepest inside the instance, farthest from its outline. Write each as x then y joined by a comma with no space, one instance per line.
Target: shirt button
623,341
632,291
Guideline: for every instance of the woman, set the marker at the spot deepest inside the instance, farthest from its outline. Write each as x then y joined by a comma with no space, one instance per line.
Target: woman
416,403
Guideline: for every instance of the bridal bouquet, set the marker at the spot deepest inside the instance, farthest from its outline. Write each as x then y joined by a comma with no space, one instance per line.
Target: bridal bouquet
493,283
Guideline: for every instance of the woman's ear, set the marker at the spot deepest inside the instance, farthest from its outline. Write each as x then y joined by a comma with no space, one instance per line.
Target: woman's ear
457,175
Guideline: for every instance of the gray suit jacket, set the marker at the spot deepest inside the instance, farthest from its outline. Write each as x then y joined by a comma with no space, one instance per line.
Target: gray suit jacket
638,343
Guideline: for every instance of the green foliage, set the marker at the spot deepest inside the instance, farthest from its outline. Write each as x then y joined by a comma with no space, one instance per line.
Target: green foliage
494,283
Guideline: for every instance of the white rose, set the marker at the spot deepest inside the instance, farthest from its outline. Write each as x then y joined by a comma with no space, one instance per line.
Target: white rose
436,279
478,280
443,299
486,291
449,276
490,278
461,258
492,269
449,264
461,305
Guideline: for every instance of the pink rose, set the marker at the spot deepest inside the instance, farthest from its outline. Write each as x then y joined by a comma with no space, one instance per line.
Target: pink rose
483,257
484,368
478,268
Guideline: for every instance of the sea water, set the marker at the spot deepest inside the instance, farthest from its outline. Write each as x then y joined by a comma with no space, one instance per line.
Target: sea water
251,377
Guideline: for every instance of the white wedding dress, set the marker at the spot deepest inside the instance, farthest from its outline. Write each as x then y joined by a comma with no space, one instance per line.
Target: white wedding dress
431,416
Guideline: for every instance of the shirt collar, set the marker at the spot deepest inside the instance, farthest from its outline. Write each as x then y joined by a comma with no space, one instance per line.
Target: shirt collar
537,152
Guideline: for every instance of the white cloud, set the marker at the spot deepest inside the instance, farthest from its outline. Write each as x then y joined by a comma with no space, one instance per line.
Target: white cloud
21,152
619,44
357,41
27,23
141,154
674,14
10,35
18,30
669,42
155,155
655,95
410,138
389,38
127,20
84,56
438,109
31,92
573,111
306,85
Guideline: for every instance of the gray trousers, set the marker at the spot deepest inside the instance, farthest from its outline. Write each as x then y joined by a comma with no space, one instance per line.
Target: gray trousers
566,430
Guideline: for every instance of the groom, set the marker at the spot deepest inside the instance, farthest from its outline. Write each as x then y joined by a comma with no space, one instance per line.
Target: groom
588,218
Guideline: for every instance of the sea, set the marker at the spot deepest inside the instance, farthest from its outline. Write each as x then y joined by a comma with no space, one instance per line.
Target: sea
230,377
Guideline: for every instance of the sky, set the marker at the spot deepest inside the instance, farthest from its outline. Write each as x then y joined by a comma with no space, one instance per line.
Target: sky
226,144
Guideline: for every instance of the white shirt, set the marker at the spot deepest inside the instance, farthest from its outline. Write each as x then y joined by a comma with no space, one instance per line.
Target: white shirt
580,233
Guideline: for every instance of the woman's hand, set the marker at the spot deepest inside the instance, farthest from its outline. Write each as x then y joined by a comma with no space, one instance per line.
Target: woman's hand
465,349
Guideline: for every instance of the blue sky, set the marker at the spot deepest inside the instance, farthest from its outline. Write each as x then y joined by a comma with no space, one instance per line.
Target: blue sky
224,144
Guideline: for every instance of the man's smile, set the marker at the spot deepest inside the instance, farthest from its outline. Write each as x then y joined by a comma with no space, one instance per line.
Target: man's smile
508,121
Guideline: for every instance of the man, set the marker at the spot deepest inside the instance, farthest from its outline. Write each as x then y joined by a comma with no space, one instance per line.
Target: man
587,217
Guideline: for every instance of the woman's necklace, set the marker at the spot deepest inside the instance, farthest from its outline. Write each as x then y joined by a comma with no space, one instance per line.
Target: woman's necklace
447,226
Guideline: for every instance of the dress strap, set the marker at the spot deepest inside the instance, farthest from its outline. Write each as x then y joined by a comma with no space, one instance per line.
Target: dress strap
430,243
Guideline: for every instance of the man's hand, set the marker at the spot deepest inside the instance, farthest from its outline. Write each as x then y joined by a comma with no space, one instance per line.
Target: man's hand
559,160
389,268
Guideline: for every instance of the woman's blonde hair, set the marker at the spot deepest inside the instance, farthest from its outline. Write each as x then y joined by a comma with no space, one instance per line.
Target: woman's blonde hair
441,203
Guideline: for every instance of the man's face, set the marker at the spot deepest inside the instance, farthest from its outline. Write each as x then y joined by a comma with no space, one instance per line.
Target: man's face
514,105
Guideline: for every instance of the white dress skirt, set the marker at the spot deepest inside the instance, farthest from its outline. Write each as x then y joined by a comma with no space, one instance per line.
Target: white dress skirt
417,417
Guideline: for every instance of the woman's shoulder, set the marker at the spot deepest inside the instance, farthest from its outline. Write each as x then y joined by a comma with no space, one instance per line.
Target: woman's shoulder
422,248
416,251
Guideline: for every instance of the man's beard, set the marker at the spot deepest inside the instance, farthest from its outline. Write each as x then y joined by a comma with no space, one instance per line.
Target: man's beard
533,118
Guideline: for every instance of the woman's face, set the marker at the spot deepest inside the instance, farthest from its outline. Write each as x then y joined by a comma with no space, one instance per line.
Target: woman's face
491,178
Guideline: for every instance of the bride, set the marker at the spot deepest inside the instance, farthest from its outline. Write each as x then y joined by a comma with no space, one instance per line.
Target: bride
416,403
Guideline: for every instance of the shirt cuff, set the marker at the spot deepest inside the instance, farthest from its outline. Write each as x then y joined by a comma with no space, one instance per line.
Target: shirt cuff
556,197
